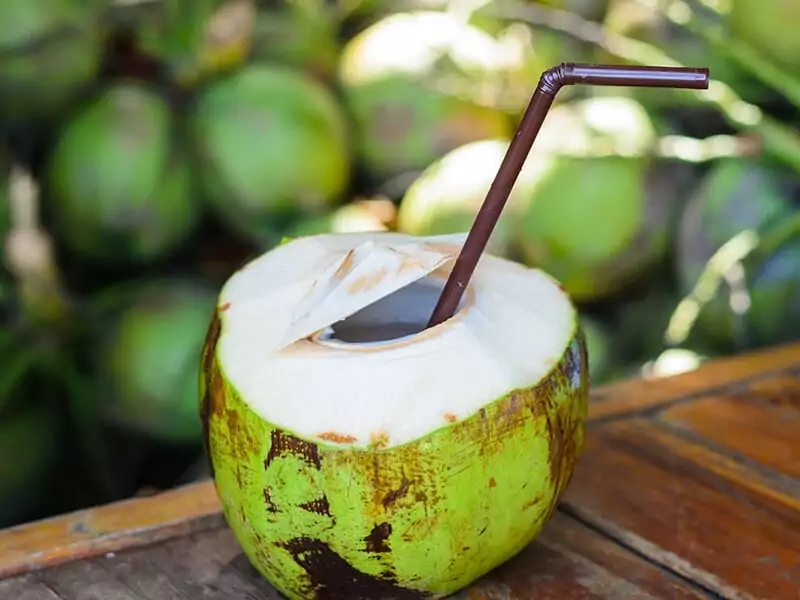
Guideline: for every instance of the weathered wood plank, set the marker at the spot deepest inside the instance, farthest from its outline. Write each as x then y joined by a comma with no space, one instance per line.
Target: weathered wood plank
26,588
768,485
568,562
646,490
747,425
108,528
84,580
783,392
571,561
208,565
636,395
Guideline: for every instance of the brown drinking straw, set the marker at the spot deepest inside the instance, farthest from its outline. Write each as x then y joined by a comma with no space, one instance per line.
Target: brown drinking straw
550,83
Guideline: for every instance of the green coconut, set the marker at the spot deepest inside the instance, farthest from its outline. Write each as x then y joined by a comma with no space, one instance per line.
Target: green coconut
446,197
598,213
773,314
515,57
354,217
737,196
759,307
643,322
29,444
352,457
119,187
147,361
770,26
49,51
302,35
273,145
196,39
411,83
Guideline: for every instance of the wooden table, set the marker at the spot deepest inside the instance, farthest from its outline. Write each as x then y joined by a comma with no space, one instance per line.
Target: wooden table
689,488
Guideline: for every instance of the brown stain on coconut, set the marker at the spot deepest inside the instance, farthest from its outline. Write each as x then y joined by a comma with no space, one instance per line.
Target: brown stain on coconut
337,438
284,444
378,440
213,384
562,429
378,539
372,280
367,282
329,575
225,306
393,495
216,404
410,264
450,417
332,578
346,266
271,507
320,506
442,248
533,502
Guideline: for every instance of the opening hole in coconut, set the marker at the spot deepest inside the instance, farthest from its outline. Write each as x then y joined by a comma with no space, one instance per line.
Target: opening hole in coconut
400,315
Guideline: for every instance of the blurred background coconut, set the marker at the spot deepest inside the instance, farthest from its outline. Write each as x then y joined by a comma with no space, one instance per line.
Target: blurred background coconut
149,147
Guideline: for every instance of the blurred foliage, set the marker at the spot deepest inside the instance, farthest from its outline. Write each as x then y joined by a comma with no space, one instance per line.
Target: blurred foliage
149,147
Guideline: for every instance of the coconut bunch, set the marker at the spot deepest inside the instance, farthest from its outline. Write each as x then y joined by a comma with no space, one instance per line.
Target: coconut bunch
32,423
197,40
271,101
120,188
50,52
739,246
30,432
27,429
190,137
733,285
193,132
421,83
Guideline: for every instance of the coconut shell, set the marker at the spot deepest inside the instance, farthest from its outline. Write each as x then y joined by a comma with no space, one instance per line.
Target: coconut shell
419,520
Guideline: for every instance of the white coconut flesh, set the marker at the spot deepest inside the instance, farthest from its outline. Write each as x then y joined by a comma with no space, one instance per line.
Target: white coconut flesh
326,337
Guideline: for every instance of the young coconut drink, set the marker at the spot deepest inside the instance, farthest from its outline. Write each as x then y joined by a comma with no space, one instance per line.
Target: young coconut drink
341,485
358,454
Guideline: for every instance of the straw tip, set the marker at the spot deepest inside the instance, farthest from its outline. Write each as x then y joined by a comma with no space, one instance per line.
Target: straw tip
706,76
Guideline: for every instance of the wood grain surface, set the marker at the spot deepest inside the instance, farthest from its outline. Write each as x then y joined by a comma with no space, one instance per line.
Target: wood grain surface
569,561
689,488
